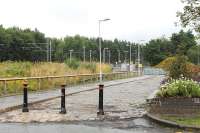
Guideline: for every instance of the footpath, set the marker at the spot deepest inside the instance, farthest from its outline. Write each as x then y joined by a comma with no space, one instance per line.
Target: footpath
7,103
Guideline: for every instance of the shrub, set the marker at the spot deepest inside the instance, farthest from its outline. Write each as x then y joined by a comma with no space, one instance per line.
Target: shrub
165,64
74,63
179,67
181,87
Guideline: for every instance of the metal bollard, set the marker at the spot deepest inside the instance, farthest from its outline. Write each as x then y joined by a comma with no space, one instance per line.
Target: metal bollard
25,100
101,112
63,109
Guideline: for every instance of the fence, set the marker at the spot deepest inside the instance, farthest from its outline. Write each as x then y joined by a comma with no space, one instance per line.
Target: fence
154,71
10,86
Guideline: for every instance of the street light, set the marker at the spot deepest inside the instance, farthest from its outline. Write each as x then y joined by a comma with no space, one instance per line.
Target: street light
139,57
90,56
84,54
119,61
104,50
100,68
129,57
109,56
125,55
70,55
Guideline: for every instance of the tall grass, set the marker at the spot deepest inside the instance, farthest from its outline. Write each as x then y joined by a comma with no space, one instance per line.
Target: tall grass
29,69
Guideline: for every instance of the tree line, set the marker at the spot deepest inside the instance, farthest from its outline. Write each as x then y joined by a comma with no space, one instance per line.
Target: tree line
31,45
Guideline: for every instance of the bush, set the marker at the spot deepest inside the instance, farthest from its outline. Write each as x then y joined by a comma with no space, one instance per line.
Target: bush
74,63
181,87
179,67
165,64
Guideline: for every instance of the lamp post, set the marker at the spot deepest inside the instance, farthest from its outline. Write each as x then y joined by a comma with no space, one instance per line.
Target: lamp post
139,57
84,54
129,57
109,56
125,55
119,56
90,56
100,71
70,55
104,52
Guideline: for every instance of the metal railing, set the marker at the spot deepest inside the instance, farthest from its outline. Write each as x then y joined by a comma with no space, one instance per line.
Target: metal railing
13,86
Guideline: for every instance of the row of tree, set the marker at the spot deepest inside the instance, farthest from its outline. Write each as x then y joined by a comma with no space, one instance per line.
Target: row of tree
31,45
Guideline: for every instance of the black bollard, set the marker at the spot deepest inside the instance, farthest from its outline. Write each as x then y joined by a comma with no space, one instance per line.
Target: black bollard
101,112
63,109
25,102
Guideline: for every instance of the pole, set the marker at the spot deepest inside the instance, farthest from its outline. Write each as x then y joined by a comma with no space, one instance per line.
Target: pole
25,99
70,55
118,55
63,109
109,56
90,56
101,112
138,59
104,55
100,74
130,59
84,54
47,51
50,51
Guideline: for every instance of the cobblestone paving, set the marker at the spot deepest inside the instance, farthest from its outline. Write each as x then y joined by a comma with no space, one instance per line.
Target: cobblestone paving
122,101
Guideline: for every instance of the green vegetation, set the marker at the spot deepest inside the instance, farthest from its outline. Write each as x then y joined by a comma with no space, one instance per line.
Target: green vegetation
179,67
180,88
189,121
73,63
190,14
28,69
31,45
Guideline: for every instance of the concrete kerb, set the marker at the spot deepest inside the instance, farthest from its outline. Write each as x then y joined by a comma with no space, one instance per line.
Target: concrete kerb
52,98
170,123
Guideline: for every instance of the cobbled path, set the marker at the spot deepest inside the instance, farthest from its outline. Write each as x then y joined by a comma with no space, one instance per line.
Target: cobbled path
123,101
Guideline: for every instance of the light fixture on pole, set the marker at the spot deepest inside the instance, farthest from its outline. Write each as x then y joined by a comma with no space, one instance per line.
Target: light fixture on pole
100,67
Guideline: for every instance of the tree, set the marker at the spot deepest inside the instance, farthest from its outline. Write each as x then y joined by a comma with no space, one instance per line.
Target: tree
194,54
157,50
191,14
182,41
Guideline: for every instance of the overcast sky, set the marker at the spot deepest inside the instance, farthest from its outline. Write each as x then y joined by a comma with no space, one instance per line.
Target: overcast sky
131,20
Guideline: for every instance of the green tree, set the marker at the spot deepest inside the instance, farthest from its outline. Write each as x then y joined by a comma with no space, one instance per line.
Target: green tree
194,54
157,50
191,14
182,41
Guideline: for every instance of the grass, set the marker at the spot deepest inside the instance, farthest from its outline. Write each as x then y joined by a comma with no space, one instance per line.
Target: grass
190,121
11,69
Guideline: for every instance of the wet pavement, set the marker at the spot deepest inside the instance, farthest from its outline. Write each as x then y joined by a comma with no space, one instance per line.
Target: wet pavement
10,101
124,107
120,102
131,126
